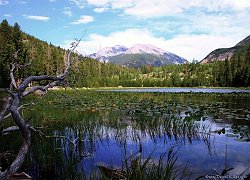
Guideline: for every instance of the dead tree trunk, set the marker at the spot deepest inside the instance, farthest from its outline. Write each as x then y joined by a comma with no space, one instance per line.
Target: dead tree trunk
12,107
26,137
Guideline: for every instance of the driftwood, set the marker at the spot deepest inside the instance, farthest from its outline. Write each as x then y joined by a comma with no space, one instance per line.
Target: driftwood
112,173
135,162
11,107
21,175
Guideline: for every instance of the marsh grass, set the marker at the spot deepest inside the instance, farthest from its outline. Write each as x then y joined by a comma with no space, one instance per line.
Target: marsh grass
98,117
136,168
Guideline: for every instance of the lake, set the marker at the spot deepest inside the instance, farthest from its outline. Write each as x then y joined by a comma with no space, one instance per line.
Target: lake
199,134
180,90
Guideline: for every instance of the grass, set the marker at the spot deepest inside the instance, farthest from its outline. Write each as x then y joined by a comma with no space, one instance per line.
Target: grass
136,168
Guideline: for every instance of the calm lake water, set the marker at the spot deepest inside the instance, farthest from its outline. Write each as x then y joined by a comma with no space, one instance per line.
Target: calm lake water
179,90
207,132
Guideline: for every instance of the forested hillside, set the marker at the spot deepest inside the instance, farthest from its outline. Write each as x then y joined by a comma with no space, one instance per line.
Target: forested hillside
40,57
46,58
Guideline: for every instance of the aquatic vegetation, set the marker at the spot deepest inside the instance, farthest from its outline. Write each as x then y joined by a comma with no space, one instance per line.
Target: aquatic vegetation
98,125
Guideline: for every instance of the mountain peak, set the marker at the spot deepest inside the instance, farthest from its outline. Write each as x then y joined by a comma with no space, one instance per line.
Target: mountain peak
137,55
145,48
106,52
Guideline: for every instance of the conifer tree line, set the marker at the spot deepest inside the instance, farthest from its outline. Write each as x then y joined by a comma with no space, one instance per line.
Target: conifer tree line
45,58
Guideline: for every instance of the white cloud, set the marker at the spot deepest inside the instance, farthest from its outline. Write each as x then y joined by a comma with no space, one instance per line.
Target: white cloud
197,46
146,9
83,20
79,3
7,15
52,0
157,8
37,18
100,10
67,11
3,2
187,46
99,2
22,2
222,25
221,5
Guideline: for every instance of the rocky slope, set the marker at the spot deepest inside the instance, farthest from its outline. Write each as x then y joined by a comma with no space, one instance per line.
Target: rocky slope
222,53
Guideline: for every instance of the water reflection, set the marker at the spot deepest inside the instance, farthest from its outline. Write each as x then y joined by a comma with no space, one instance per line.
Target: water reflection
84,139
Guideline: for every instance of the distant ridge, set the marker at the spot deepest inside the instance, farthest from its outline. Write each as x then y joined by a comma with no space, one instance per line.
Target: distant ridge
222,53
137,56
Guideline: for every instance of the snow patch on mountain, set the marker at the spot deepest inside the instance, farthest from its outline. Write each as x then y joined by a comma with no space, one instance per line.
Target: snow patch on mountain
107,53
145,48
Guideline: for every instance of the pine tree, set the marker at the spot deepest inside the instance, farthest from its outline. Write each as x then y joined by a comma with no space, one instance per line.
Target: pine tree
6,52
228,73
21,50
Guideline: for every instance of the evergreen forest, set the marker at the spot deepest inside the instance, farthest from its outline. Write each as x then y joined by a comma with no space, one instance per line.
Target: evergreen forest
37,57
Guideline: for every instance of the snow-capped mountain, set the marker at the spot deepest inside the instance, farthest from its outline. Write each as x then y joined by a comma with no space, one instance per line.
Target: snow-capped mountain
107,52
137,55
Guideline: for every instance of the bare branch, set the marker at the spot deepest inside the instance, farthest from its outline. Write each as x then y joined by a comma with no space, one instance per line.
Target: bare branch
9,115
21,175
42,88
16,128
73,47
17,162
37,130
15,55
33,89
26,136
13,81
56,79
9,130
29,79
21,66
5,109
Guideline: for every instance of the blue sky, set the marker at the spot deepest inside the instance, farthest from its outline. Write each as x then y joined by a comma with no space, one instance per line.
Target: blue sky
188,28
